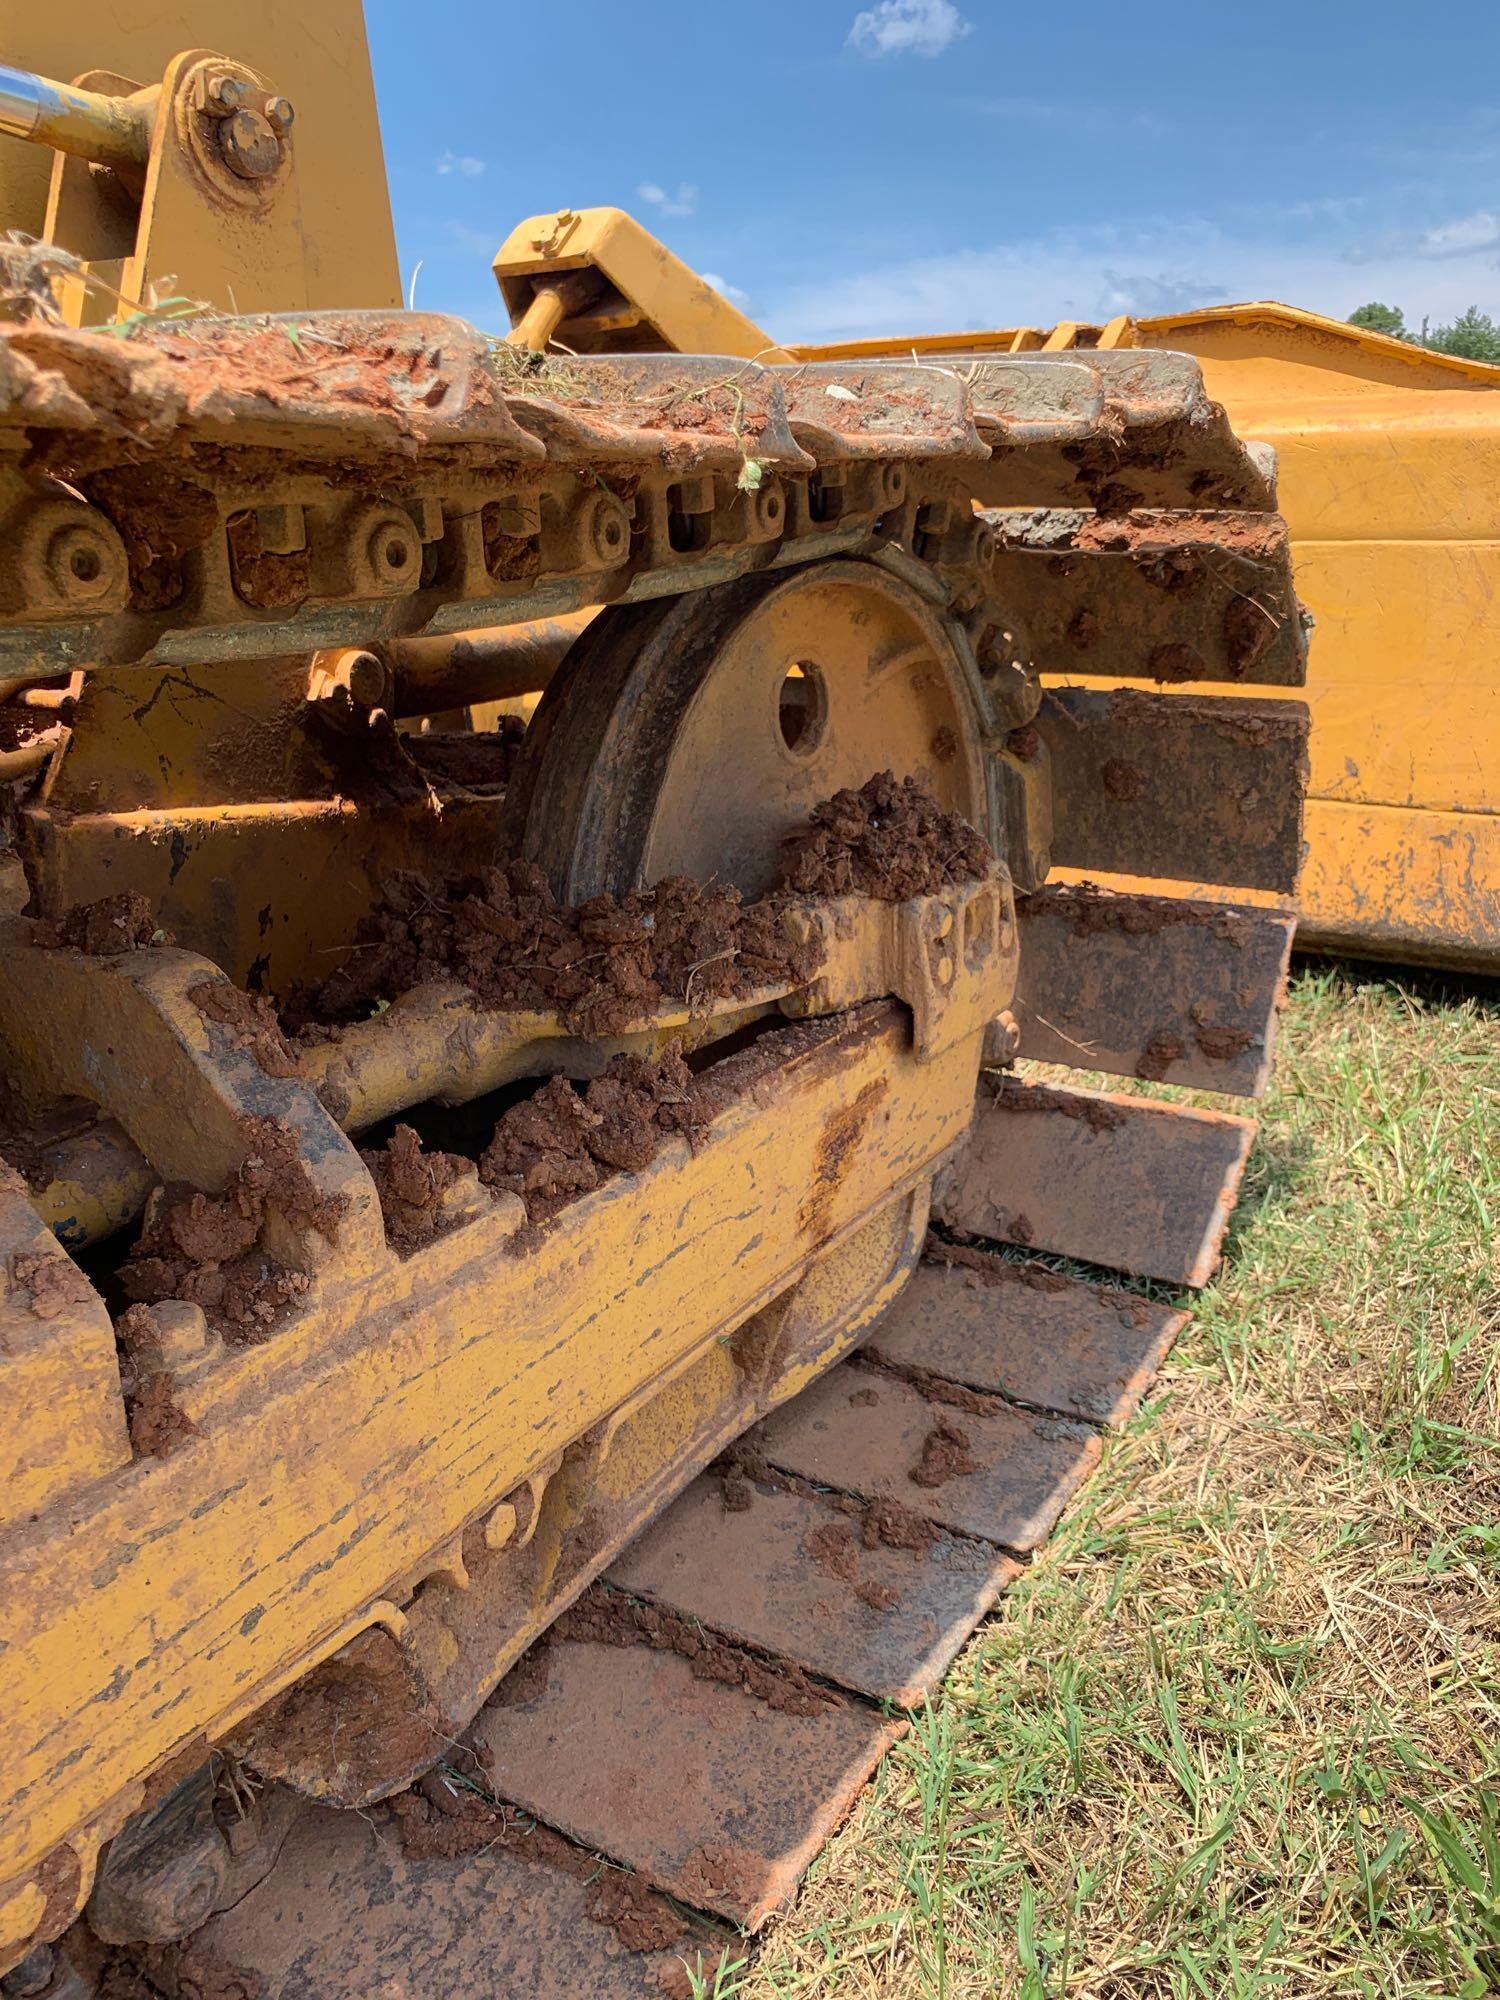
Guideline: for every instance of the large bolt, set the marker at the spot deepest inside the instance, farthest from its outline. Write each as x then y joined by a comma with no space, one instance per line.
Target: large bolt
226,94
606,531
250,147
347,685
393,551
83,563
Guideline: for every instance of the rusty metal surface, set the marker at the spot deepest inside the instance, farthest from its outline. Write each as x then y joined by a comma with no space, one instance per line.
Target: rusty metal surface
839,409
345,1915
1023,1331
706,1790
789,1571
1139,1187
1151,986
1168,597
866,1433
1158,440
1193,788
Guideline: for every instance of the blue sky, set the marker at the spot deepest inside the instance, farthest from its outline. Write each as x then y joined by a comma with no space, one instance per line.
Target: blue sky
916,165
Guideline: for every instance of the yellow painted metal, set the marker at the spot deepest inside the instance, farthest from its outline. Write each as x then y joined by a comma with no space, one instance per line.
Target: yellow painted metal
648,298
334,1465
344,251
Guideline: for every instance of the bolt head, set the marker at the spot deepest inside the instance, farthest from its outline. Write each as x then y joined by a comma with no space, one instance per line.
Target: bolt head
227,93
81,564
249,146
279,114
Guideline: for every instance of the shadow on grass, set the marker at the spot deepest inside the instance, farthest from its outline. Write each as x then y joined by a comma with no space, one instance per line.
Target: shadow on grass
1420,985
1279,1164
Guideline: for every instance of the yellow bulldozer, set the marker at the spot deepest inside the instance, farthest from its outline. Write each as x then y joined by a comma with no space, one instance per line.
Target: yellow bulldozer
528,866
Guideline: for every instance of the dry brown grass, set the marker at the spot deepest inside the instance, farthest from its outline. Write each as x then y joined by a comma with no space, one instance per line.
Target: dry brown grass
1237,1732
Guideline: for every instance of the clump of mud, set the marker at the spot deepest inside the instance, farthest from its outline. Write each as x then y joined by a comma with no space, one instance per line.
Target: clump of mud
835,1547
447,1816
890,839
604,1617
53,1285
600,966
411,1183
107,928
561,1142
251,1022
945,1455
210,1250
744,1470
157,1423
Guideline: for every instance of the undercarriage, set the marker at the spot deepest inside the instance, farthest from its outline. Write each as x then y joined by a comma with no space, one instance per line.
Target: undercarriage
349,1342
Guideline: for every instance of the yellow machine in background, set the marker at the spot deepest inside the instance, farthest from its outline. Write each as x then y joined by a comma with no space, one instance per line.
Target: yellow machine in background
1389,479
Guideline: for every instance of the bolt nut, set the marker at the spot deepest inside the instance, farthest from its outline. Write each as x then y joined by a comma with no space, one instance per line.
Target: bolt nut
890,486
226,94
250,148
393,554
606,531
279,114
83,563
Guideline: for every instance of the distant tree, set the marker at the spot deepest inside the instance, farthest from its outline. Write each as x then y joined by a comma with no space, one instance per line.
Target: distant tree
1377,318
1473,336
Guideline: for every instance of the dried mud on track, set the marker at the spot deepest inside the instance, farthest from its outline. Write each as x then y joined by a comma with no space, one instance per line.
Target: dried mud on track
890,839
208,1249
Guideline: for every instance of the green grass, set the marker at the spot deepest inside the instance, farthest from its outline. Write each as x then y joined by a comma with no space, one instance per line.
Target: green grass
1237,1731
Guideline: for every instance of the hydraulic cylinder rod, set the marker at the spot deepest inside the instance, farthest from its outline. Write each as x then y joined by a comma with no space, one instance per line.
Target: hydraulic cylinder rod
116,131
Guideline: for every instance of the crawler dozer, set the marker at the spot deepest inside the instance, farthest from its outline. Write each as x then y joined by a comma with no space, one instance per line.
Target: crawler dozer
1389,460
434,1140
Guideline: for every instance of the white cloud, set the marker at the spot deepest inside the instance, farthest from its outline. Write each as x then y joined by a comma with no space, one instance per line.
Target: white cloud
683,202
1462,236
907,28
461,163
1160,265
722,285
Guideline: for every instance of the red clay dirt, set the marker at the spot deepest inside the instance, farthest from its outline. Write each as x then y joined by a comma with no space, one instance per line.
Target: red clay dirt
411,1183
743,1468
608,1619
890,839
157,1424
447,1816
106,928
51,1284
251,1021
561,1142
600,966
207,1248
945,1455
